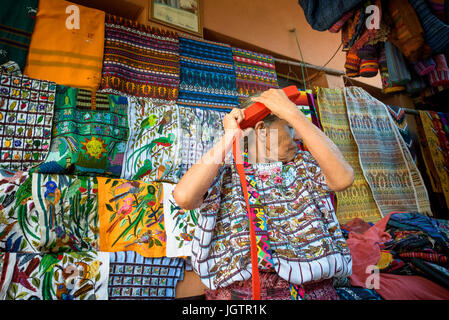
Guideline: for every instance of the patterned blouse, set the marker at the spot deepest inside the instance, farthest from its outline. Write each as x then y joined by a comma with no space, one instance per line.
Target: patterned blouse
305,242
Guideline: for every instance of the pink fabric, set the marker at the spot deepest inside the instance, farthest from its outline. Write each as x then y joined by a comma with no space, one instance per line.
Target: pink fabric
365,251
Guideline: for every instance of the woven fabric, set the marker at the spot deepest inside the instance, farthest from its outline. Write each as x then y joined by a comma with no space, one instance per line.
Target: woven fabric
64,52
336,27
399,118
369,68
140,60
357,201
17,24
179,223
433,257
152,150
357,293
320,290
352,65
208,78
90,132
66,276
26,115
303,231
387,165
425,67
255,72
67,209
131,217
133,277
397,69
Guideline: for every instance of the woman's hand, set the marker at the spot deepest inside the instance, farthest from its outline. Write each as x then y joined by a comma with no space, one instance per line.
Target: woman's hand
232,119
277,101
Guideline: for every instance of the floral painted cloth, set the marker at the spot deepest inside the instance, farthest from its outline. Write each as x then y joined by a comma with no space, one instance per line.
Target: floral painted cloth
68,212
180,225
90,133
67,276
19,219
6,273
303,231
26,115
152,151
131,217
133,277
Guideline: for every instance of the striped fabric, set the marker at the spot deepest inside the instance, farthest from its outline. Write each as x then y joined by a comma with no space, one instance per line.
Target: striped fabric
434,257
16,26
369,68
208,79
397,69
255,72
140,60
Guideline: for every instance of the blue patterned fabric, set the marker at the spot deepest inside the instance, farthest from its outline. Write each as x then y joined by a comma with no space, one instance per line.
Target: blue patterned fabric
134,277
208,78
356,293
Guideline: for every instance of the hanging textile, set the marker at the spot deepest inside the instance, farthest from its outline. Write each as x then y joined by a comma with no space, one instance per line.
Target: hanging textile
19,219
152,151
208,78
397,69
6,273
386,162
179,223
63,51
357,201
66,276
90,133
436,154
399,118
200,131
255,72
303,231
17,25
140,60
26,115
131,217
133,277
68,212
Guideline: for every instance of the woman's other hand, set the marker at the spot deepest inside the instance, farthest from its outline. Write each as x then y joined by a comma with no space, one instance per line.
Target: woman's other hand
277,101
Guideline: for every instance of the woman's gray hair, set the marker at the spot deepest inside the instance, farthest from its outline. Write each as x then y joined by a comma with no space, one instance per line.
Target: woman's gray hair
268,120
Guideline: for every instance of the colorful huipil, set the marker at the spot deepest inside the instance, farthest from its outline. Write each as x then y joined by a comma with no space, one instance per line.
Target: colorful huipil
68,212
152,151
65,276
131,217
26,115
90,133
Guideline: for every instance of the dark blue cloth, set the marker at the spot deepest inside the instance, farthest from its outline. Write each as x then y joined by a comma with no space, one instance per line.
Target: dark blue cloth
357,293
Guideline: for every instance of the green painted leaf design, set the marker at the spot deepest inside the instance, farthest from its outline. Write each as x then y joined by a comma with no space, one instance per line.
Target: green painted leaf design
123,222
109,207
128,237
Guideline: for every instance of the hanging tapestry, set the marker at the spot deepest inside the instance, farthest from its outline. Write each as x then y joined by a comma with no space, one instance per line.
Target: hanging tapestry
152,151
66,276
255,72
299,221
399,118
436,153
17,24
6,259
26,114
131,217
90,133
68,212
356,201
200,131
140,60
179,223
67,48
133,277
208,79
19,219
387,165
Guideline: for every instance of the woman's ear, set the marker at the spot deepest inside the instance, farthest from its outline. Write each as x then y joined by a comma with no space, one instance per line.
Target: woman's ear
260,125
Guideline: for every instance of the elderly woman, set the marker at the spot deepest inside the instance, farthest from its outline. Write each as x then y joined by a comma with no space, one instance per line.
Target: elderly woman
298,235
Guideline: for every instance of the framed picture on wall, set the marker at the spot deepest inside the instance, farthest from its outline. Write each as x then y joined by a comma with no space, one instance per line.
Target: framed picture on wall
184,15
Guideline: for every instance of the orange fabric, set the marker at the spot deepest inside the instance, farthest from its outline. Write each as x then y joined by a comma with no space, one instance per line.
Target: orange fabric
72,57
131,218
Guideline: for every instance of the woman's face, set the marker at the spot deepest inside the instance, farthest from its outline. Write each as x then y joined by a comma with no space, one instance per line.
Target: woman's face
286,146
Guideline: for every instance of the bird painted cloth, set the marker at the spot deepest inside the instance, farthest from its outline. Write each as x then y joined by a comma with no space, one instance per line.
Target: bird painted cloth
133,277
26,115
65,276
304,234
179,223
152,151
131,217
6,273
19,218
140,60
207,75
17,25
67,48
90,133
68,212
